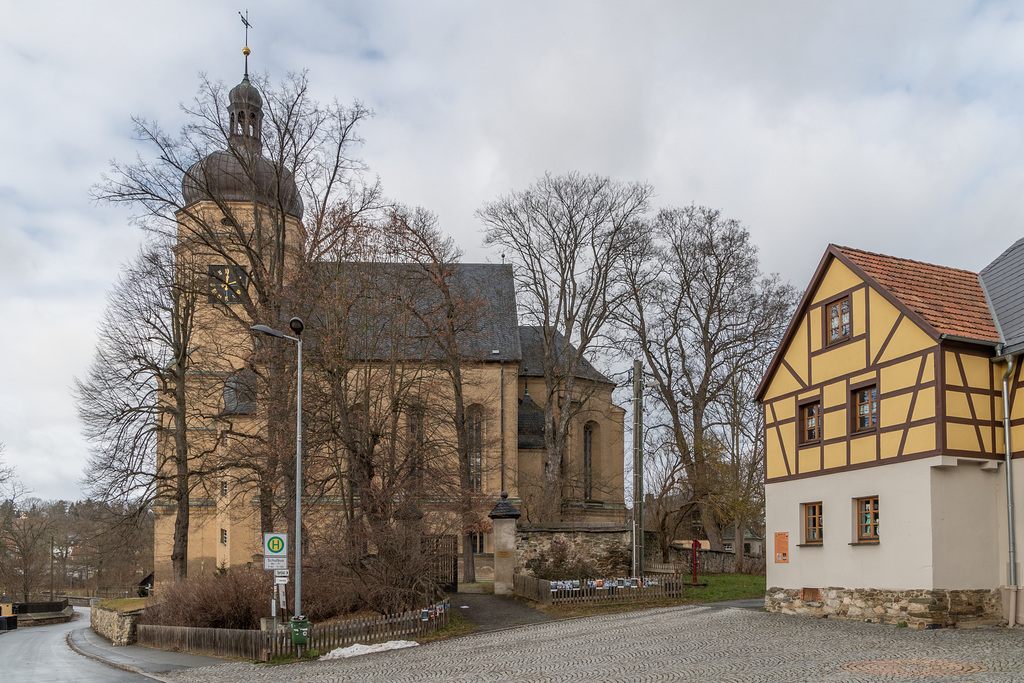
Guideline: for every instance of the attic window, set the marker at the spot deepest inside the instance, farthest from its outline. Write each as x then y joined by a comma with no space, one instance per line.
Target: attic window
838,320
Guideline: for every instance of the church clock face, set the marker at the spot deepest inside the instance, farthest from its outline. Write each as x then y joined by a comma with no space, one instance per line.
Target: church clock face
226,283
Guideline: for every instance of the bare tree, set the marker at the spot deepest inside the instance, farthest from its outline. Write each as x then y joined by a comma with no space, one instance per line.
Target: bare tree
449,311
141,390
740,420
254,187
25,546
569,238
702,316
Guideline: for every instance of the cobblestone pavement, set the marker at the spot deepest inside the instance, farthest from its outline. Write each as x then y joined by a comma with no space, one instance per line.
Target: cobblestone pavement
676,644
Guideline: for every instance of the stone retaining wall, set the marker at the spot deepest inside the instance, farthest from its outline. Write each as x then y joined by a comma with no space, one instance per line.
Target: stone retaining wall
609,548
917,608
710,561
117,627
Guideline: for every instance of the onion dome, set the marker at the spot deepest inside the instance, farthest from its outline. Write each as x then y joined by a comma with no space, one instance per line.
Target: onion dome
241,173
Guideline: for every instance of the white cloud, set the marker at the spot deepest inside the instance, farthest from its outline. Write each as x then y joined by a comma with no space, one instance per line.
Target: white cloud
892,127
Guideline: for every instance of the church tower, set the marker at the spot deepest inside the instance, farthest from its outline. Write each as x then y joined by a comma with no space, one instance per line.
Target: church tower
240,236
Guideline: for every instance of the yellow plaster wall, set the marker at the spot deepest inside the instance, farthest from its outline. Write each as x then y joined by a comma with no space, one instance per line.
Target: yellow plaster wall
857,300
977,370
775,465
835,455
796,354
836,424
899,376
924,408
883,316
784,410
909,338
957,404
894,410
961,437
834,394
890,444
952,369
919,439
838,278
862,449
809,459
841,360
833,370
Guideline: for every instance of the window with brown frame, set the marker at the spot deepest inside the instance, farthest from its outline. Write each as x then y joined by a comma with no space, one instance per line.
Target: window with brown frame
867,519
810,422
838,319
865,409
813,523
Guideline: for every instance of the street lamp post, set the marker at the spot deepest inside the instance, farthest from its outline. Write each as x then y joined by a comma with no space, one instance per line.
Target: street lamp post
296,326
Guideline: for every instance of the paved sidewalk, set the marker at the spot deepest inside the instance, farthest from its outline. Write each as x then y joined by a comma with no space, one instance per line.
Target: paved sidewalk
491,612
690,643
135,658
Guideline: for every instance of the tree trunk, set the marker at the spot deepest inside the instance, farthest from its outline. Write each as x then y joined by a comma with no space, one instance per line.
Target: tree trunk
468,561
741,530
179,553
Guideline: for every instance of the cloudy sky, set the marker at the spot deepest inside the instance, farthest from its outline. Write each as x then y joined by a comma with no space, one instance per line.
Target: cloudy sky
892,127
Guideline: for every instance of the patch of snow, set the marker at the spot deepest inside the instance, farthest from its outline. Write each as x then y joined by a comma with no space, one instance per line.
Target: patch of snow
359,649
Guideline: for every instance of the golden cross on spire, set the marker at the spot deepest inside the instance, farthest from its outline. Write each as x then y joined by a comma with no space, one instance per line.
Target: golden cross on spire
245,50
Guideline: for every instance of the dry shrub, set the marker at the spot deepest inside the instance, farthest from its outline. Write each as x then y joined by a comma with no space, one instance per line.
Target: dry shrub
327,592
238,598
233,599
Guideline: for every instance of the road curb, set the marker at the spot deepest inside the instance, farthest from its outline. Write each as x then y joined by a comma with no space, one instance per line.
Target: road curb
91,654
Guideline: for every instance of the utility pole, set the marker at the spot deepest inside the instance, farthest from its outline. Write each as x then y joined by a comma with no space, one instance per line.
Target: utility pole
638,469
51,567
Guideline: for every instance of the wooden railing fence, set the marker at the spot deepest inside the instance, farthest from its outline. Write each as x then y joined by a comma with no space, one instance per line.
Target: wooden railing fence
610,591
266,645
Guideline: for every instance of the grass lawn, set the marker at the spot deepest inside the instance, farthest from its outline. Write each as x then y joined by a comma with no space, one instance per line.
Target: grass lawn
124,604
719,587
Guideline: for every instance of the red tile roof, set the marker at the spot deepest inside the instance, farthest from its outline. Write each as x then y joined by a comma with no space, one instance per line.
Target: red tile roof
951,300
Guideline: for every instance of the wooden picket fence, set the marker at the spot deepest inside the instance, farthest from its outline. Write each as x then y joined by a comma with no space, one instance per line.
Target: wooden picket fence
540,591
365,630
219,642
266,645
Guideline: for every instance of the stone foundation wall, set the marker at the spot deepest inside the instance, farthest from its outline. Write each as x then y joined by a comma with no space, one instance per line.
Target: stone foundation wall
609,548
117,627
916,608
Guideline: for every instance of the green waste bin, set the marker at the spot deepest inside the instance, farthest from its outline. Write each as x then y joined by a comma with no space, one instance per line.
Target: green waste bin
300,630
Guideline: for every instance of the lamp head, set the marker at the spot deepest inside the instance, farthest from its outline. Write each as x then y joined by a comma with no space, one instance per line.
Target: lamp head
297,326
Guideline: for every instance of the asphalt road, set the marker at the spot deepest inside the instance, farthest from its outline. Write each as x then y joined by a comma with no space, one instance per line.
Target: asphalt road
41,654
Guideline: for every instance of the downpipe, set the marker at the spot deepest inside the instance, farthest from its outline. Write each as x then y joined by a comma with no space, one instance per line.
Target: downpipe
1008,458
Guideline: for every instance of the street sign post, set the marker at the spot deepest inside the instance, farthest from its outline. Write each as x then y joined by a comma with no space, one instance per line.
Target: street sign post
275,551
281,580
280,572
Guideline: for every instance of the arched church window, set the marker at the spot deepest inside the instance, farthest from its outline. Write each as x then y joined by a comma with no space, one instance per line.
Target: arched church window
475,426
589,434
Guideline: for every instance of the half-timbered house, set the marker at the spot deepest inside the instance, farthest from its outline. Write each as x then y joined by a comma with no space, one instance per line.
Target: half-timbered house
886,483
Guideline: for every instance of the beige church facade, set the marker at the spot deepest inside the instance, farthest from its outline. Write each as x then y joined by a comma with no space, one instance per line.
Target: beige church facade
504,385
886,469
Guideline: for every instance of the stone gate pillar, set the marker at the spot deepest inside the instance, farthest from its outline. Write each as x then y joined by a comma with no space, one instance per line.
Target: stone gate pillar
504,516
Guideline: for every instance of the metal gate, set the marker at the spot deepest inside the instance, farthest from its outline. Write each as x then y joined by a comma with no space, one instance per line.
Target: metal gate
445,551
